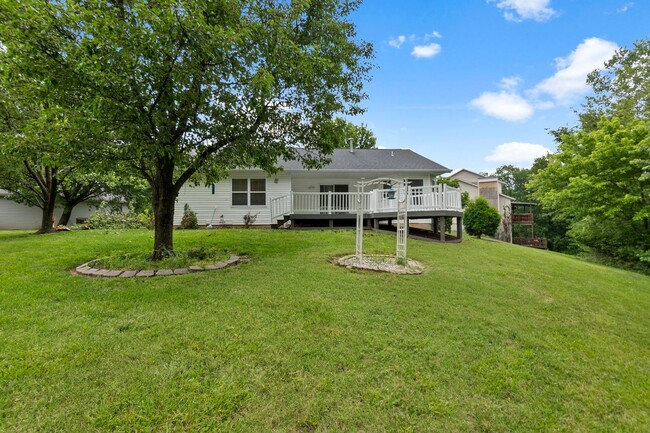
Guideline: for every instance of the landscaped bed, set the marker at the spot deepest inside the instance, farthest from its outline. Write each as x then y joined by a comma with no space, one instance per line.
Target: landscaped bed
492,337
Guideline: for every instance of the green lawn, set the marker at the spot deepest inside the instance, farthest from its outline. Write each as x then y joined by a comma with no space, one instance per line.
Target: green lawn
492,337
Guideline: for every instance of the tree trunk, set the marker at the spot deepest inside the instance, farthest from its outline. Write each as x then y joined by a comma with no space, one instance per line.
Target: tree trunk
163,245
49,201
67,212
164,195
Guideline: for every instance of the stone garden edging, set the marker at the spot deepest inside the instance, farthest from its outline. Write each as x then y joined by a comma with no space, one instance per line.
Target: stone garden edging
90,270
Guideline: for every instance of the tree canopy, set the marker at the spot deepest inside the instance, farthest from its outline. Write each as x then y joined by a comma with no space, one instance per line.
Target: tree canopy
514,181
187,89
622,88
343,134
599,178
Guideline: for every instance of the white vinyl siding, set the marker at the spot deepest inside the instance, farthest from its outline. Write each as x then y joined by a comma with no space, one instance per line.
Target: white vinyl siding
218,209
467,176
16,216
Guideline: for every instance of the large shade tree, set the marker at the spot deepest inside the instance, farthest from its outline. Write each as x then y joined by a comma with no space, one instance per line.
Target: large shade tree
184,90
44,153
29,165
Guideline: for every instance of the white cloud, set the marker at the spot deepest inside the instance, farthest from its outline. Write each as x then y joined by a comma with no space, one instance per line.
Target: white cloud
563,88
569,82
626,7
544,105
421,47
517,153
510,83
506,105
426,51
520,10
397,42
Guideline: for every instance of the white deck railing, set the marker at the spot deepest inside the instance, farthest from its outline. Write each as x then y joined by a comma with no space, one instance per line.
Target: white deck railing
431,198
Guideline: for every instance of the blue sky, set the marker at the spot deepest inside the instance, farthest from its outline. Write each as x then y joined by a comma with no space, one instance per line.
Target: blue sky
477,83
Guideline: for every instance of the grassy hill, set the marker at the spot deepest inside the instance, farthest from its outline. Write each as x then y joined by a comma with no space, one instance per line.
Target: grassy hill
493,337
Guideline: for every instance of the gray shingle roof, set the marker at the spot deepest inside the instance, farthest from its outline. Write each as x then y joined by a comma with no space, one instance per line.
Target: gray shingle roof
374,159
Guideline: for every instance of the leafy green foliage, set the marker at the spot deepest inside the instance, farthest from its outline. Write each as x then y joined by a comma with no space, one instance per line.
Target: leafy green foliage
189,220
341,134
621,89
551,227
514,181
114,219
480,218
181,90
599,180
45,147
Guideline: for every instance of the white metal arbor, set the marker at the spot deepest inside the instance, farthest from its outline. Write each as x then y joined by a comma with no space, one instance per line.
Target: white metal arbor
401,195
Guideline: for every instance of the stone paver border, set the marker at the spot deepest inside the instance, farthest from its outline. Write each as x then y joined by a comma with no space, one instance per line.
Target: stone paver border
90,269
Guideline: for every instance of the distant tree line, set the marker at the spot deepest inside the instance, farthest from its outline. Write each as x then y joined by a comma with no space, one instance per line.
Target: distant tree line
594,191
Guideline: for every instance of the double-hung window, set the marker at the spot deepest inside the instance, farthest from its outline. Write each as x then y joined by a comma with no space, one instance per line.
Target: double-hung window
248,192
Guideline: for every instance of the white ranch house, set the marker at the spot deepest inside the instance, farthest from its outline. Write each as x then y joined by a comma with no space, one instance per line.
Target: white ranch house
326,196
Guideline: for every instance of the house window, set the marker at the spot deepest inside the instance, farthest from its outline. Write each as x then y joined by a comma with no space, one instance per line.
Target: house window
249,192
258,192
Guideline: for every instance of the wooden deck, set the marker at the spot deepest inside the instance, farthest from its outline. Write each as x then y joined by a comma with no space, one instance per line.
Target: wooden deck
423,202
340,209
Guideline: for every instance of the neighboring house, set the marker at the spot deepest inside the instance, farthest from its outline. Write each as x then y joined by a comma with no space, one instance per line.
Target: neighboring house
14,216
327,195
491,188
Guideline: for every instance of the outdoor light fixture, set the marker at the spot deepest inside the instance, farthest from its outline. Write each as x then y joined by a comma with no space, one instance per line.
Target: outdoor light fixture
390,194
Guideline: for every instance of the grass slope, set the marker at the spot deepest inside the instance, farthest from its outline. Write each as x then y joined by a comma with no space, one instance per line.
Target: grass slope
493,337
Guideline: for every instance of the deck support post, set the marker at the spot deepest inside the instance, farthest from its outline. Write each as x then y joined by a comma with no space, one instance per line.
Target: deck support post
375,223
441,227
331,223
434,225
459,228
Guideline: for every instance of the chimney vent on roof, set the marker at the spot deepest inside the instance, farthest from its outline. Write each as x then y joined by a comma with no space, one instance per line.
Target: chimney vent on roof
391,153
351,143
